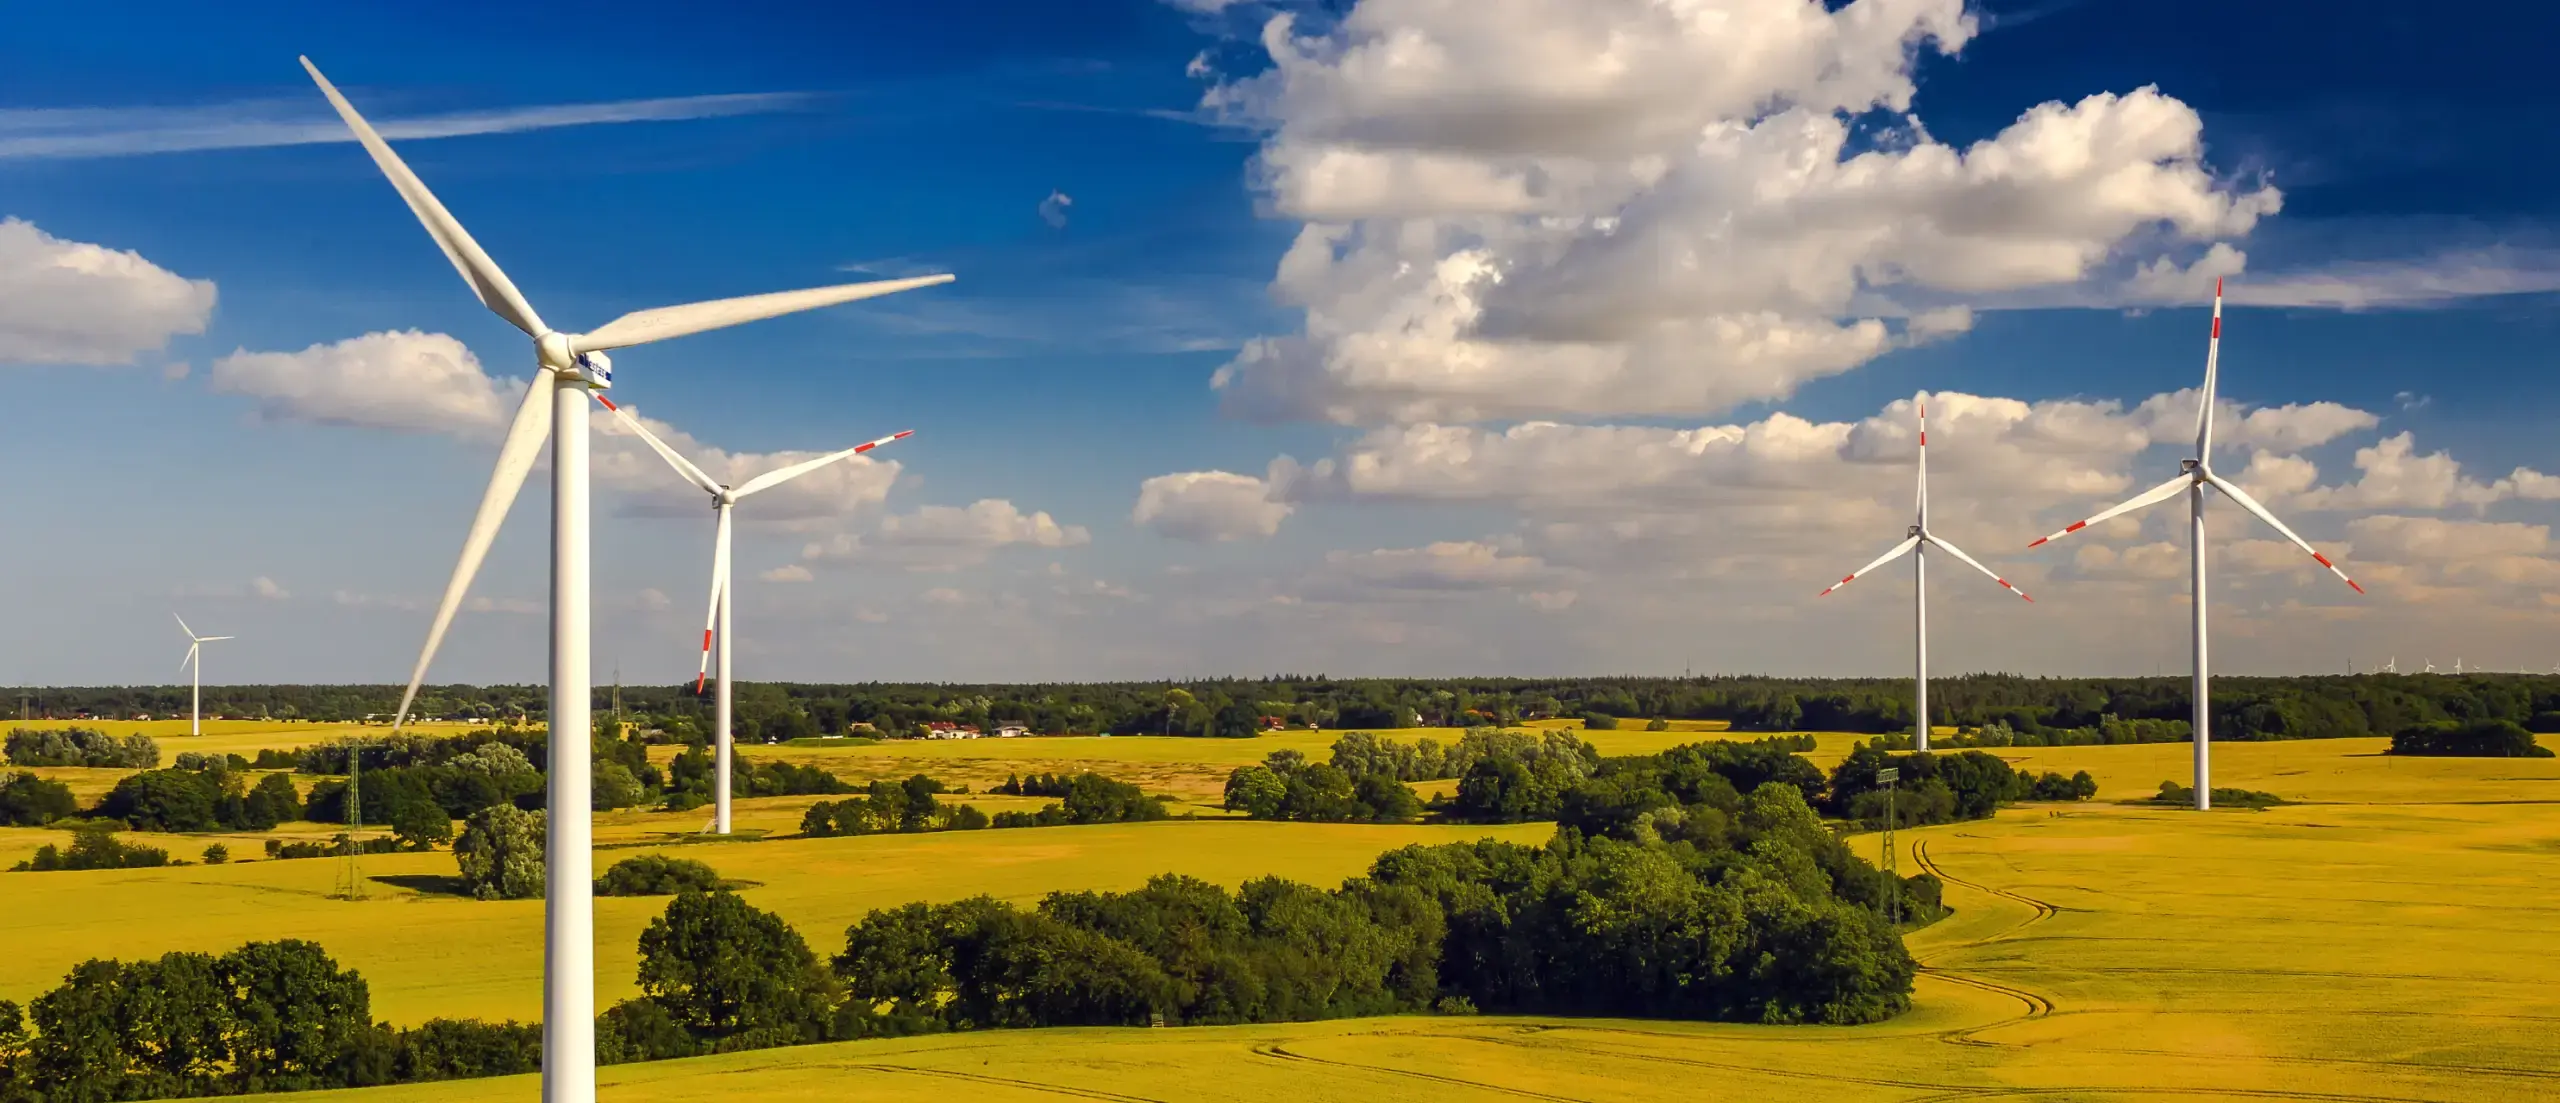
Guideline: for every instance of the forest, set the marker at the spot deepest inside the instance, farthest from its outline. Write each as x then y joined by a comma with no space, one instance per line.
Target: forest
2021,709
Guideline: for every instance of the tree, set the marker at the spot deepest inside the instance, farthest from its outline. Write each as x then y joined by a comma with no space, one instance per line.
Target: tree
164,800
1238,720
420,824
1176,700
728,972
1256,792
613,786
216,854
30,801
657,875
500,853
273,800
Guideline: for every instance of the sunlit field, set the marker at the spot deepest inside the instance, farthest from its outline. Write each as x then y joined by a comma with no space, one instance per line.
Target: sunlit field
241,737
428,953
2386,938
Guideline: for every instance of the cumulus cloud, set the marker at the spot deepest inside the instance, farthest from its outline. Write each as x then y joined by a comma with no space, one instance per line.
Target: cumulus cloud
404,380
788,572
2392,474
268,589
1053,210
1518,209
1209,506
412,381
70,302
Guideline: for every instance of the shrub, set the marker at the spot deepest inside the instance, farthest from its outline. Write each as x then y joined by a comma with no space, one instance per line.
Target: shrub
2172,793
94,848
2468,739
30,801
1599,721
657,875
216,854
81,747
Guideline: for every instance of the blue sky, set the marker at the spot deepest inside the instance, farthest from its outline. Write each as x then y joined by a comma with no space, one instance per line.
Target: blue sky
1120,240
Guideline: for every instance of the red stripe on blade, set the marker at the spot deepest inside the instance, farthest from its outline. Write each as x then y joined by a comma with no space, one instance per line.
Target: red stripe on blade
608,403
2217,287
2352,582
2039,541
2324,560
2077,526
706,639
697,683
2217,329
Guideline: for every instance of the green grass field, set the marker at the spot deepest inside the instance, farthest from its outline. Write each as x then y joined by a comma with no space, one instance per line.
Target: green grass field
2387,938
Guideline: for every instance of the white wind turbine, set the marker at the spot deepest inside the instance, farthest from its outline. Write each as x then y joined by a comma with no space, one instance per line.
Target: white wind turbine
195,658
716,625
568,367
2193,476
1917,541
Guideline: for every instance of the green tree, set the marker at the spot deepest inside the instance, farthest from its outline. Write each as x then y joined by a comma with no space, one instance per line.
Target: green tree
273,800
730,973
501,853
1255,791
164,800
1238,720
30,801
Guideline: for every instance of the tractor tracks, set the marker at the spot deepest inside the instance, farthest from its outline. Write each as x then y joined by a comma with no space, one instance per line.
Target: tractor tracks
2035,1006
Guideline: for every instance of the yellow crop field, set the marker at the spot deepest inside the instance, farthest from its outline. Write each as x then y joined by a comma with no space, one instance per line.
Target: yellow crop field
241,737
2351,949
428,954
2386,938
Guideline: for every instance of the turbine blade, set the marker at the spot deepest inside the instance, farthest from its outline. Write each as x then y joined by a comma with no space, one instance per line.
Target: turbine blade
483,274
2160,493
1977,565
190,656
643,326
210,639
719,593
515,461
779,476
683,466
2251,504
1921,404
182,626
1881,560
2212,362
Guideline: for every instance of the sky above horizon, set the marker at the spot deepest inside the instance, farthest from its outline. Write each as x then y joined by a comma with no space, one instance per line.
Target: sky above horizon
1366,337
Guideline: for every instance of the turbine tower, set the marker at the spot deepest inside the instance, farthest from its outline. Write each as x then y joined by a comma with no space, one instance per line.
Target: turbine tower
716,625
567,367
195,658
2194,475
1917,540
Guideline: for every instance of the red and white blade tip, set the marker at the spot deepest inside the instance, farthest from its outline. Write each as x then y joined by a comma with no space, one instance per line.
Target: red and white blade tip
1836,585
2005,584
2075,527
608,403
869,445
2333,569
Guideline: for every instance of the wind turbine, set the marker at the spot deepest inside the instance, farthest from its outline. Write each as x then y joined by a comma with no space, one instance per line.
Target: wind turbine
568,366
1917,540
195,658
724,498
2392,666
2193,476
2431,667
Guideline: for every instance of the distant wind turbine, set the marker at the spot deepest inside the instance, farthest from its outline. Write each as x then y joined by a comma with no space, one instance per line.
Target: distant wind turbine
567,367
1917,540
716,625
2194,475
195,658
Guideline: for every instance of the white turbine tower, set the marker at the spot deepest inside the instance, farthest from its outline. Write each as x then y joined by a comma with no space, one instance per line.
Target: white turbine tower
2193,476
716,625
568,367
1917,540
2392,666
195,658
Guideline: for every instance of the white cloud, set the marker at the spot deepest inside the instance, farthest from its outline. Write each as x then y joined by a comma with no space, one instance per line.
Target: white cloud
654,599
1517,209
1209,506
429,382
70,302
934,538
2431,539
788,572
403,380
125,131
1053,210
268,589
2394,475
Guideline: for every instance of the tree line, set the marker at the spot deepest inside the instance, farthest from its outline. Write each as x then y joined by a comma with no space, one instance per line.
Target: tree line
2243,708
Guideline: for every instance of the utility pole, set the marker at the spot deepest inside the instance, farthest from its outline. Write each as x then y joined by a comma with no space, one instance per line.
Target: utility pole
355,821
1892,855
